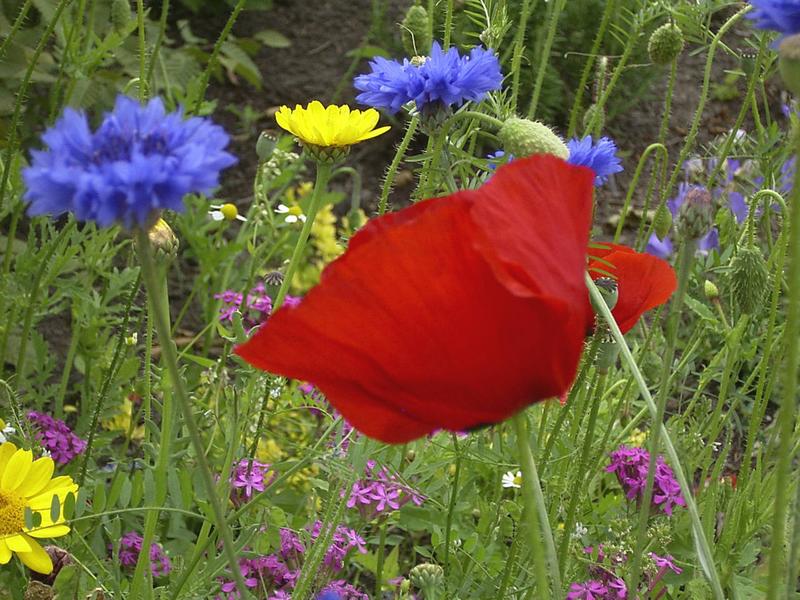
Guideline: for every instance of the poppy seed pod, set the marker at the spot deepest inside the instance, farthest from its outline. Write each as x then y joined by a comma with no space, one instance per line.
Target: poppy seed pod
609,290
696,214
711,290
789,62
749,279
666,44
522,137
417,31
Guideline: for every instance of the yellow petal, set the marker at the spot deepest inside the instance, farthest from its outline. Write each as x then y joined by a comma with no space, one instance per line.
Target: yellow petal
38,477
16,470
49,532
37,559
283,117
374,133
6,452
5,552
18,543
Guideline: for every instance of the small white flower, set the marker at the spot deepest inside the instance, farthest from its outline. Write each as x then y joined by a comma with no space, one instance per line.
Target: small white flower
512,480
580,531
5,430
225,212
293,214
46,452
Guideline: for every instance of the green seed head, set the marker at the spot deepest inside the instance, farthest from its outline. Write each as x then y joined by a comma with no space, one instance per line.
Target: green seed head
749,279
665,44
522,137
417,31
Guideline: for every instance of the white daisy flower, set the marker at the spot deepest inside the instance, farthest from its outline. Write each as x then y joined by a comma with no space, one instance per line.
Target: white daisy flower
5,430
225,212
293,214
512,480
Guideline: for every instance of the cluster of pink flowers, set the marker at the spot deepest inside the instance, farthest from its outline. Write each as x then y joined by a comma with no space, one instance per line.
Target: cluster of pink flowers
606,585
130,546
380,492
255,308
631,465
276,574
249,476
56,437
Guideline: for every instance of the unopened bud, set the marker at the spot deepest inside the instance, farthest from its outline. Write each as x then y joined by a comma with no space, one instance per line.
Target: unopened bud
696,214
163,239
749,279
662,221
711,290
428,578
265,146
120,14
522,137
665,44
789,62
417,31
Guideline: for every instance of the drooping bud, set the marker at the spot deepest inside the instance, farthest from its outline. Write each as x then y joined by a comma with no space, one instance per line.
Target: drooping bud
696,214
120,14
417,31
163,239
666,44
662,221
428,578
789,62
749,279
60,559
711,290
522,137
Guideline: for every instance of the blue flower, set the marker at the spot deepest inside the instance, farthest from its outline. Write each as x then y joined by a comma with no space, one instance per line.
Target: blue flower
444,79
600,157
782,16
329,595
664,248
140,161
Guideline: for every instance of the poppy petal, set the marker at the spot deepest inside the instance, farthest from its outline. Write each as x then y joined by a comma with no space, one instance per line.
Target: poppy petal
411,330
644,281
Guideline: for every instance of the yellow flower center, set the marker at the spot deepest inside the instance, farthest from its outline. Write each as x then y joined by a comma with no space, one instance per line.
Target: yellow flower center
517,479
229,211
12,513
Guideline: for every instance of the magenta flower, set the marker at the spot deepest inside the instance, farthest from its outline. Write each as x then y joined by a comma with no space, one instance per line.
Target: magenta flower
630,465
588,590
249,476
56,437
130,546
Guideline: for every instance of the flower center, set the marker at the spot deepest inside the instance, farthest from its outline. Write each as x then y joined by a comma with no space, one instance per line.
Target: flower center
12,513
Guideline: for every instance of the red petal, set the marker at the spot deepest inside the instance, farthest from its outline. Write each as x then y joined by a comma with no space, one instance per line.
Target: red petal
412,330
644,281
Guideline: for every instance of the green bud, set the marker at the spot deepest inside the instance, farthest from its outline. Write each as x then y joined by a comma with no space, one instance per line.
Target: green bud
265,146
665,44
789,62
609,290
428,578
522,137
696,215
749,279
711,290
120,14
417,31
662,221
163,239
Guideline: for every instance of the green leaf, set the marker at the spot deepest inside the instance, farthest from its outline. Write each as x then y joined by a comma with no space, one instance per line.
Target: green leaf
55,508
272,38
99,497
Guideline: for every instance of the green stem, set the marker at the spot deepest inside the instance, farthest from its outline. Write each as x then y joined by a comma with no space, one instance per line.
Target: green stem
451,509
638,173
493,122
323,175
143,91
536,514
665,116
170,358
519,48
544,55
162,27
15,27
786,414
703,549
380,560
448,24
429,180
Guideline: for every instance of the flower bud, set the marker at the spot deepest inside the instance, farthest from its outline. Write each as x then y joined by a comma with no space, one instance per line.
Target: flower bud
120,14
265,146
417,31
163,239
711,290
666,44
789,62
662,221
428,578
522,137
696,214
749,279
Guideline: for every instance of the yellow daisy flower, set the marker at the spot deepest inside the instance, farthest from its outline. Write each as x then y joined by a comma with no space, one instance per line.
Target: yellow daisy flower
332,126
29,484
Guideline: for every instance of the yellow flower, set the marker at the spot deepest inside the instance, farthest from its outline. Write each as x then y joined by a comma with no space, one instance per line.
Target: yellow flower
122,421
26,484
331,126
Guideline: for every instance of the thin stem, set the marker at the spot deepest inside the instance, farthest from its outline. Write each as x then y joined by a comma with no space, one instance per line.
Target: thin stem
380,559
448,24
703,549
544,54
143,87
323,175
519,48
451,509
398,158
786,415
638,173
162,27
170,358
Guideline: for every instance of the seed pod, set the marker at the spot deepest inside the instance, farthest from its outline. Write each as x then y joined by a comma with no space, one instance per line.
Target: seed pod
711,290
120,14
666,44
417,31
749,279
522,137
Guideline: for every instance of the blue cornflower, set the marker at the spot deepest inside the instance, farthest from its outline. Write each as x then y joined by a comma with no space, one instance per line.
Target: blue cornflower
444,79
782,16
139,161
664,248
600,157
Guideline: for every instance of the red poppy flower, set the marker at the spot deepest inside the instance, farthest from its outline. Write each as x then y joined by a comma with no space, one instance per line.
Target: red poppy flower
450,314
643,281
